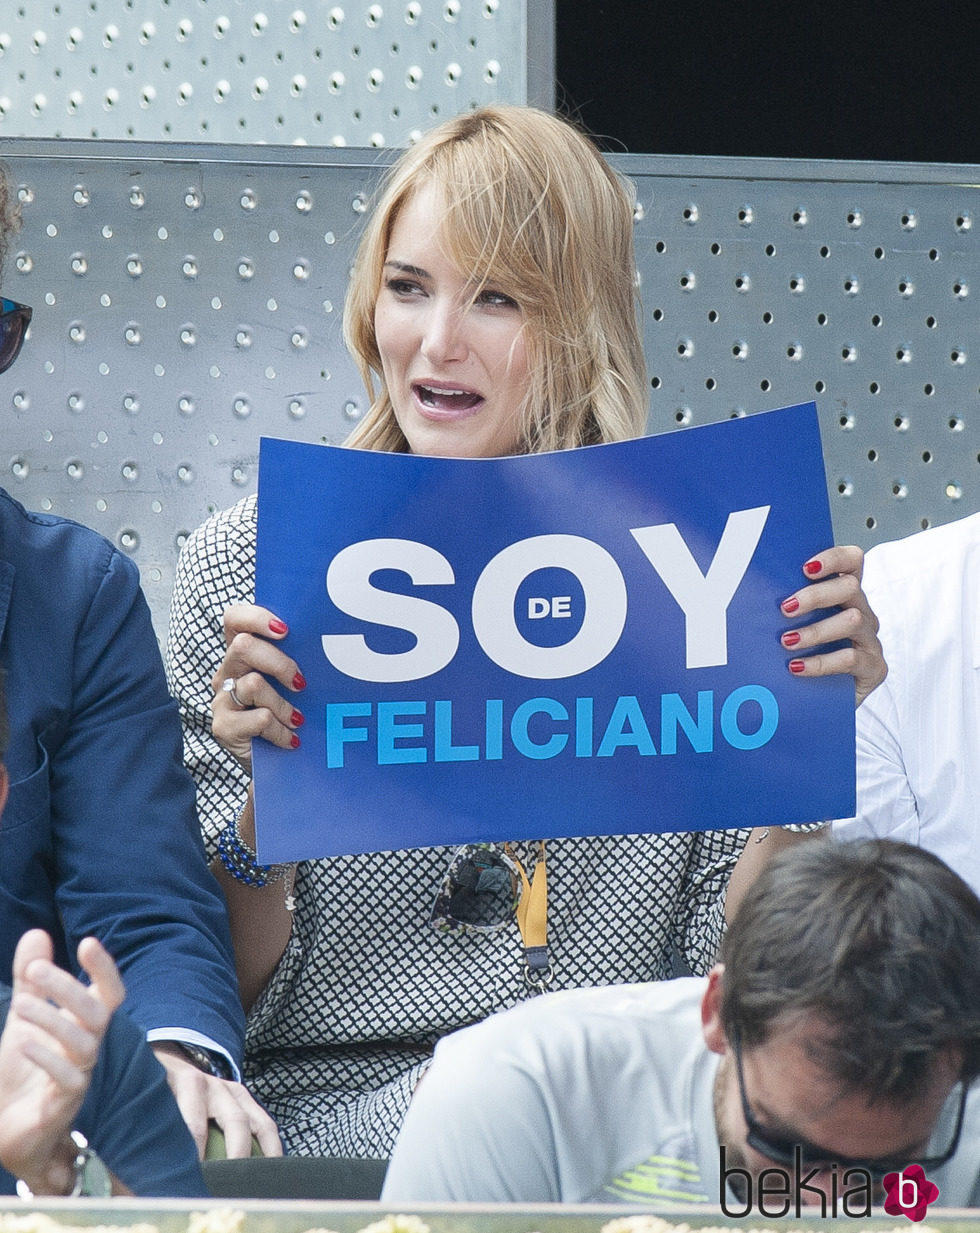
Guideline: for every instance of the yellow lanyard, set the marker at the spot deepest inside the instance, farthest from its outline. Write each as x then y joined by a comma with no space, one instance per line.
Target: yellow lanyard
532,920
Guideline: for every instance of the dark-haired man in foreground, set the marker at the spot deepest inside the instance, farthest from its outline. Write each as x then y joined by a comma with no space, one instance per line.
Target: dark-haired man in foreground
835,1046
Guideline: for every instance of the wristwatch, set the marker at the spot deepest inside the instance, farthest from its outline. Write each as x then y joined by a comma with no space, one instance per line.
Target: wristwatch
208,1060
91,1177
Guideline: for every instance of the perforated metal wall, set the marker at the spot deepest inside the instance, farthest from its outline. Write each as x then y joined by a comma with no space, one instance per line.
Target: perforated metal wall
854,284
278,71
187,300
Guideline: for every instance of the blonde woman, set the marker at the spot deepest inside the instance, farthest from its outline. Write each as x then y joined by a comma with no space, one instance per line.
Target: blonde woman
492,311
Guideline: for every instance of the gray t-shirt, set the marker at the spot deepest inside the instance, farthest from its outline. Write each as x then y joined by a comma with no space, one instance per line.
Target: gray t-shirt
593,1095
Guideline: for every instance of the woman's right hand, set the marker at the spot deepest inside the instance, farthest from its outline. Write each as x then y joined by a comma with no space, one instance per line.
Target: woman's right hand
260,709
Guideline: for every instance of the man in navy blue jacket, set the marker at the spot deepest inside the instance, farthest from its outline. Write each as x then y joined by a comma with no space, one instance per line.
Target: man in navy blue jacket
100,836
71,1066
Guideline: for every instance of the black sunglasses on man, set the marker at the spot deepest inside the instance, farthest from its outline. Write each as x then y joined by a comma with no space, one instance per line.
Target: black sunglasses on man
782,1148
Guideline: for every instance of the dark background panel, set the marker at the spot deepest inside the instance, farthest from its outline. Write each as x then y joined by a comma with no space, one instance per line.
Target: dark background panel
895,81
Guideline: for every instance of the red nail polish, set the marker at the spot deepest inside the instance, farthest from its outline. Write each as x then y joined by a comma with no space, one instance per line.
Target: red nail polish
299,681
797,666
278,627
791,639
812,567
297,719
294,741
791,604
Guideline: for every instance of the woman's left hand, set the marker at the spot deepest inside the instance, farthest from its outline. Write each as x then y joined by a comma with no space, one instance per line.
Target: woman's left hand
836,576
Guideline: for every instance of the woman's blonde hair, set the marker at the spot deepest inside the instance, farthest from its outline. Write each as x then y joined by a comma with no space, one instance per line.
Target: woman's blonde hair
532,206
9,214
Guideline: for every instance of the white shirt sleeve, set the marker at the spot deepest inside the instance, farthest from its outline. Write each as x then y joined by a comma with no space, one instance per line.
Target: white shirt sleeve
886,803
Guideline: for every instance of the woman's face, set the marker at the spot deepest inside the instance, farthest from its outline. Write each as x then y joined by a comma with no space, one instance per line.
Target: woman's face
456,372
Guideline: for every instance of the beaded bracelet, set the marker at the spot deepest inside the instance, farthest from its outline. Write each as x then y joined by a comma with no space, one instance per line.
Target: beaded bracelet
241,861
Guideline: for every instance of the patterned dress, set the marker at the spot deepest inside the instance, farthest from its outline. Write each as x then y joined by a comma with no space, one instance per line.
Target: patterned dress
367,986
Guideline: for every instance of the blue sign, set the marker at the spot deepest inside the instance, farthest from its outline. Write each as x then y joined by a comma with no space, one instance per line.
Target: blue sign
577,643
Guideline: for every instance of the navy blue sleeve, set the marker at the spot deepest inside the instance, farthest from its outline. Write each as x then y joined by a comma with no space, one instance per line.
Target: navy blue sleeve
100,835
128,847
130,1118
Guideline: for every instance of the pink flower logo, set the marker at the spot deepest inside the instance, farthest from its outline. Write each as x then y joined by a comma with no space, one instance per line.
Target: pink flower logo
909,1193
